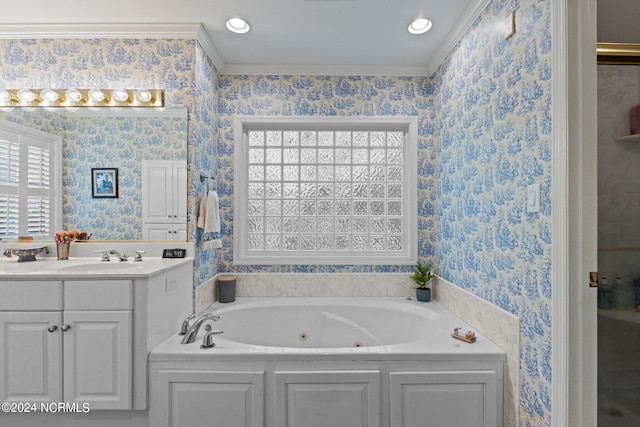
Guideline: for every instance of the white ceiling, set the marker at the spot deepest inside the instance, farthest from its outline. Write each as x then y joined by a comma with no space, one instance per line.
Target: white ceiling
318,36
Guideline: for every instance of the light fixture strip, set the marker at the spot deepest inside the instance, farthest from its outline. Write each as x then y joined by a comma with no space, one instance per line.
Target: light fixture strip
81,98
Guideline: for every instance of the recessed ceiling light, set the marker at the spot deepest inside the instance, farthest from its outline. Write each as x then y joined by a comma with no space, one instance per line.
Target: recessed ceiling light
238,25
419,26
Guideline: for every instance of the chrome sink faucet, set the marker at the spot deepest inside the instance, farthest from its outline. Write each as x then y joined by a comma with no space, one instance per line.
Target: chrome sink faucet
121,256
191,334
106,252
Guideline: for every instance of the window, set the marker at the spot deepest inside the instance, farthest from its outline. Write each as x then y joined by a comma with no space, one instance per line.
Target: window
29,172
325,191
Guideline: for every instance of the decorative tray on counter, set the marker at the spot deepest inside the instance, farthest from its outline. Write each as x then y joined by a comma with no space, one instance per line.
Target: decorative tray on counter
26,254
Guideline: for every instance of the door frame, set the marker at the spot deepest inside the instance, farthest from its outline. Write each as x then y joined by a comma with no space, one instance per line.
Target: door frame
574,216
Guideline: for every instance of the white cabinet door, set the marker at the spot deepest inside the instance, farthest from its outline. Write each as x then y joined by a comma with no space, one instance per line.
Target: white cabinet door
30,356
180,232
327,398
157,192
207,398
157,231
164,232
97,358
435,399
164,192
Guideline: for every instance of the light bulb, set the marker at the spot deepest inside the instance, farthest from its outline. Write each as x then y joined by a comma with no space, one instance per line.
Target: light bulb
73,95
238,25
144,95
26,96
420,26
49,95
5,97
96,95
120,95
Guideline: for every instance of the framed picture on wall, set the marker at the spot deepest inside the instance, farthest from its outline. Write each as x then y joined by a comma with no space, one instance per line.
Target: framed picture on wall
104,182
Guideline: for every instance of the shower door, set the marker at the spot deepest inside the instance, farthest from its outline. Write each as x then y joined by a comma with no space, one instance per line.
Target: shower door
618,248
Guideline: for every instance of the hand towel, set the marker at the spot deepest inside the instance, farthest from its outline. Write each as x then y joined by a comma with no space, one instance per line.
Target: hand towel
203,210
210,215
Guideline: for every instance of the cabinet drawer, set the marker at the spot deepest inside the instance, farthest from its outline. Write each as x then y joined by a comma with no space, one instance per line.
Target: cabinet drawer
19,295
97,295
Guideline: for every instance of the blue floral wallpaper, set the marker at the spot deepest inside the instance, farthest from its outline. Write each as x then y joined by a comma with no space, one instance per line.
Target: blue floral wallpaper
492,129
202,157
319,96
484,135
121,142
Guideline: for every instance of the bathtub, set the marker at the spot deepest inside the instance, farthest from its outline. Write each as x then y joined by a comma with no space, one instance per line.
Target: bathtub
328,361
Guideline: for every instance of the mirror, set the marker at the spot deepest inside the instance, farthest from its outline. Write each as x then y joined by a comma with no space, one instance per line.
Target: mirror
108,138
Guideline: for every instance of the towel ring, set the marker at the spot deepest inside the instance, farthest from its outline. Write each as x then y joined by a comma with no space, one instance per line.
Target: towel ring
203,177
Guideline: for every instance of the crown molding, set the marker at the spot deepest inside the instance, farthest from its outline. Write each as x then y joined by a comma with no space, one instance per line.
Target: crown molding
455,35
197,31
202,37
325,70
107,30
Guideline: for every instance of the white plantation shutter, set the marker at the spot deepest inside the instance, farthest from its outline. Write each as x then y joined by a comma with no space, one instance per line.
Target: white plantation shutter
29,182
38,216
9,163
9,215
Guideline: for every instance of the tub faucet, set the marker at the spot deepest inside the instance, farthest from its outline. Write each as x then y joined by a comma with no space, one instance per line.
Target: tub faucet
185,325
191,334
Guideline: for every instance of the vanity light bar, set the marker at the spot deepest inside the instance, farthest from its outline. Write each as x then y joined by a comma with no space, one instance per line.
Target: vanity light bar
81,98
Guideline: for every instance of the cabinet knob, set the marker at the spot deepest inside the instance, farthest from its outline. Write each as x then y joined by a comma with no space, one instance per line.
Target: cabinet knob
52,328
65,328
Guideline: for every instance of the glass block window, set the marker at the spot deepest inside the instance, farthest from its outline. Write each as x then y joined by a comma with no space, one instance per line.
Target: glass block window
316,193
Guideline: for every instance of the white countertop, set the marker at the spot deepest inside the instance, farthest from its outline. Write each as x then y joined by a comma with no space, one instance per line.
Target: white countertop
79,268
84,262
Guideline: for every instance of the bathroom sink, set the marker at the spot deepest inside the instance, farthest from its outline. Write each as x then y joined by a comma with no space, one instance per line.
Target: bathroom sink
101,266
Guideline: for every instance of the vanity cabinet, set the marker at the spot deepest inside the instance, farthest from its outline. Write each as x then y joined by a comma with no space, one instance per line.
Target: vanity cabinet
75,345
31,356
164,200
87,339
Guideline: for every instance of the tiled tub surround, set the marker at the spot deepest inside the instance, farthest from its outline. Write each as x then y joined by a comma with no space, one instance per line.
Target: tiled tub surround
390,361
497,325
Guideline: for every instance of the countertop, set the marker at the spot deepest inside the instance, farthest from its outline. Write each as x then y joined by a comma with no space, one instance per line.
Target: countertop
83,268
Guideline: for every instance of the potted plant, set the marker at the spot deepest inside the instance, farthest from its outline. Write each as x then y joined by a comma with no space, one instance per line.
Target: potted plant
422,275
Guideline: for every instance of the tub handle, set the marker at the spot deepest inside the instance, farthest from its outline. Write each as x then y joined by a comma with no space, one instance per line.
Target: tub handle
207,341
